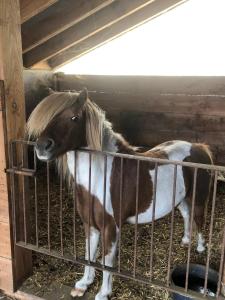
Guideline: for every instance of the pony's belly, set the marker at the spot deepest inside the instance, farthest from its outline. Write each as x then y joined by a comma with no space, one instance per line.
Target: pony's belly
164,194
147,216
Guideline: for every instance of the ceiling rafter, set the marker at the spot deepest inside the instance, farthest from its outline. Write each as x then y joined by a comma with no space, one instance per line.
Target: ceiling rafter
66,29
30,8
124,25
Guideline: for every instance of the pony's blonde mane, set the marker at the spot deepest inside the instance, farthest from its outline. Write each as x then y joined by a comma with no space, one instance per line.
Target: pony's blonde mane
55,103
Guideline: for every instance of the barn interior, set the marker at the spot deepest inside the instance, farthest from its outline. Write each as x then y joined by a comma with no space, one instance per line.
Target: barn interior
36,38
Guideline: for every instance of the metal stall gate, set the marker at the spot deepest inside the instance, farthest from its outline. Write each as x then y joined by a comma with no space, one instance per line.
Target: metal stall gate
46,221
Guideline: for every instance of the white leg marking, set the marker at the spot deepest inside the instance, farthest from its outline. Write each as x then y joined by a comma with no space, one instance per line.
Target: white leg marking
106,288
201,243
185,212
89,272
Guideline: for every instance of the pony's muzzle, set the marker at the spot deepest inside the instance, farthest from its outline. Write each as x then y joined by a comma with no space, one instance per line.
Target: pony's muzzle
44,147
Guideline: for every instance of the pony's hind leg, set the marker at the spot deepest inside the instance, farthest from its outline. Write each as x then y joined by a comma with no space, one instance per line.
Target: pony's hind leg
111,248
89,272
185,212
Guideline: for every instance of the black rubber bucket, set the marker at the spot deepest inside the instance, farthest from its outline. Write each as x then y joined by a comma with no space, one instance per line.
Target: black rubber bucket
196,280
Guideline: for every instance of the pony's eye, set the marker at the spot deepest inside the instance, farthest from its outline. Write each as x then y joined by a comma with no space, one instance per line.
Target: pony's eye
75,118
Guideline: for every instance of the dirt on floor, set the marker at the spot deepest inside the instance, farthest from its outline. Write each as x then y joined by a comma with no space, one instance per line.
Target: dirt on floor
48,270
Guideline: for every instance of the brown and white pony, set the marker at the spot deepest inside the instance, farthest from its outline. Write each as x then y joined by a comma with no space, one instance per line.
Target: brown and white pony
66,121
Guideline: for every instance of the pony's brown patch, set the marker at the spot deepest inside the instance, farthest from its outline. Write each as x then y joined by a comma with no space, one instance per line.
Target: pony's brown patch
86,205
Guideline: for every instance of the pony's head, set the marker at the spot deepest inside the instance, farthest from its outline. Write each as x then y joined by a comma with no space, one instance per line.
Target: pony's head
63,122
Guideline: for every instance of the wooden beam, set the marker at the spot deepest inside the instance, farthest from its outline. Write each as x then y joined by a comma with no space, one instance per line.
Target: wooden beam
56,19
29,8
140,16
166,86
12,120
84,29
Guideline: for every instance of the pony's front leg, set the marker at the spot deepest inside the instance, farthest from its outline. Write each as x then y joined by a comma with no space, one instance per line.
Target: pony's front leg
111,248
89,272
185,212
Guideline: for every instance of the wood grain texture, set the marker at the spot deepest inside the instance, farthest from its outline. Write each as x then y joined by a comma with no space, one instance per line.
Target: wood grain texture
84,29
6,274
147,85
5,244
29,8
13,118
152,110
56,19
4,206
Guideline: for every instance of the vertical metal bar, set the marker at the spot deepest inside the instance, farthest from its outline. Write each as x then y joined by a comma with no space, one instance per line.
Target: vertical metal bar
120,214
136,217
172,223
13,194
74,205
36,212
49,208
89,207
221,265
104,200
211,231
191,228
61,209
153,220
23,197
36,202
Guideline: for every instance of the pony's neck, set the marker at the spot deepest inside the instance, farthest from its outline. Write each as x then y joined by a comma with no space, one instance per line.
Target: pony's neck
114,142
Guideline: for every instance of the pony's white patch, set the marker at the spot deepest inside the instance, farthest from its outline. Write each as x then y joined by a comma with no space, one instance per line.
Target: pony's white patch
97,175
201,243
89,272
42,157
97,169
178,151
185,212
106,288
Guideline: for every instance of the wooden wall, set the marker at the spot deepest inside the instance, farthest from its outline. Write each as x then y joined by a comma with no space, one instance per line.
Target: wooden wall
15,262
151,110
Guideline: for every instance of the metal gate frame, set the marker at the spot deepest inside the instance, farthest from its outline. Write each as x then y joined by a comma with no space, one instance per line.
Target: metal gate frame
21,170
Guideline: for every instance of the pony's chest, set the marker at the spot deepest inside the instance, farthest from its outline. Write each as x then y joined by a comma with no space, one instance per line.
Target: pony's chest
90,175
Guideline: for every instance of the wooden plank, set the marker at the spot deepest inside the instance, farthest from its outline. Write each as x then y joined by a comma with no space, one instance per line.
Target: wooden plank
5,245
148,121
13,119
29,8
204,105
56,19
122,26
4,207
6,274
145,85
106,17
151,110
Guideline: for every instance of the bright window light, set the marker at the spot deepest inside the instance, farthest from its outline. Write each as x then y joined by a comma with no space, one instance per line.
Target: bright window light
188,40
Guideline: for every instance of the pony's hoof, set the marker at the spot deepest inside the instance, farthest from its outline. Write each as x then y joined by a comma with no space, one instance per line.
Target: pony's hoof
77,292
201,249
185,241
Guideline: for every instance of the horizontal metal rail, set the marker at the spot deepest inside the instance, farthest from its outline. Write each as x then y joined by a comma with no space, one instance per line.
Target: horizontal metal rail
133,274
114,271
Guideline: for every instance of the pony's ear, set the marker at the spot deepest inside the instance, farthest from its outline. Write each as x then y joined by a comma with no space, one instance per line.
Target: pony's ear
82,98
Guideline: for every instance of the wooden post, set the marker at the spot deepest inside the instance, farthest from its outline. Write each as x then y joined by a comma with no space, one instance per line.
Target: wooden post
15,262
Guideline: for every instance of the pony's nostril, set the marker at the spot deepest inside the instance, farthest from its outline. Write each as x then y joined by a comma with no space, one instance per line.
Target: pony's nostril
49,144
